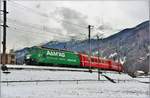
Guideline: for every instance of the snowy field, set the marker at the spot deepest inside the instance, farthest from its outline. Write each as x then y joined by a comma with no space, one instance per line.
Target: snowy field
89,87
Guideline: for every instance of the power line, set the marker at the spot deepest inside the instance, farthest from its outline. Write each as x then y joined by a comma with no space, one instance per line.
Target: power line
67,22
48,16
33,42
29,31
24,32
29,9
26,25
33,32
33,26
44,28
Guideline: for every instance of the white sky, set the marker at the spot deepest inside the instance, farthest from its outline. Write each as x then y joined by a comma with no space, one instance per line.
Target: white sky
113,15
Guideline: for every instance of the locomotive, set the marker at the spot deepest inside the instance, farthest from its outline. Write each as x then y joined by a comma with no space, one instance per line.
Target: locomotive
63,58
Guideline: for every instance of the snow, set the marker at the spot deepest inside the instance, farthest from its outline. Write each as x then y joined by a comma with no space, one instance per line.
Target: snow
112,55
74,90
128,88
43,68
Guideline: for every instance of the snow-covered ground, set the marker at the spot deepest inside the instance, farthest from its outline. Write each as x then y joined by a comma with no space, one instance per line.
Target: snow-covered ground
70,89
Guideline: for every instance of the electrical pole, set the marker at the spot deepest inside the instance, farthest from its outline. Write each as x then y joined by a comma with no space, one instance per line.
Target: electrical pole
4,36
98,58
98,40
89,36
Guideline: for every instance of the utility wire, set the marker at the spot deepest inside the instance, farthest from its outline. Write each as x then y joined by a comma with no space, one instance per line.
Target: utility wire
25,32
29,9
33,32
24,39
48,16
34,42
33,26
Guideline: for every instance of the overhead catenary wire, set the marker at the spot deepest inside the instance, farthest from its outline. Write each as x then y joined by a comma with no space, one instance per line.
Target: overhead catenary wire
24,32
29,9
47,16
34,41
58,20
22,35
34,32
36,27
42,33
29,31
26,41
33,26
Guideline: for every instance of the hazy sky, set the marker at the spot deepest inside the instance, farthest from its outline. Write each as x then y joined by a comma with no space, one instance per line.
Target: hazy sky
35,22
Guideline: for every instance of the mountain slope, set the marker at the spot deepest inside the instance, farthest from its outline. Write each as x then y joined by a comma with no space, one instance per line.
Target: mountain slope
133,44
130,45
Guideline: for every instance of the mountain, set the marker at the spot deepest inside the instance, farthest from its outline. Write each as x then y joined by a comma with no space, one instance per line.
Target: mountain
133,45
20,55
130,46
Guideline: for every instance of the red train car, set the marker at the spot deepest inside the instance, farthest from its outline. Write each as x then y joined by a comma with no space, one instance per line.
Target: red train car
97,62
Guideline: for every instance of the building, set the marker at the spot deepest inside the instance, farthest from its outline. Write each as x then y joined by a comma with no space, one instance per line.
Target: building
10,58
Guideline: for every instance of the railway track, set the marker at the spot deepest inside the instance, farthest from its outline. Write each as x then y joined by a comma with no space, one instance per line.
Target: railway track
28,67
20,81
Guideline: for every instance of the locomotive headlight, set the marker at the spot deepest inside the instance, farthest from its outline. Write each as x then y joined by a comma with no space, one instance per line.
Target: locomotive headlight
28,56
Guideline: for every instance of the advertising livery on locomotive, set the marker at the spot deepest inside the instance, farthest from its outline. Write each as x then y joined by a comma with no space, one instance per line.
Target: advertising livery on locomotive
64,58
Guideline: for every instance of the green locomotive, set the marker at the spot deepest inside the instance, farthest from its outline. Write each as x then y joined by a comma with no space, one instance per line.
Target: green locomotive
64,58
53,57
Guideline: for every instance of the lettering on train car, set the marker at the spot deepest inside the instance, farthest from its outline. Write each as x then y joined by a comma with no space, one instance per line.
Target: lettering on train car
55,53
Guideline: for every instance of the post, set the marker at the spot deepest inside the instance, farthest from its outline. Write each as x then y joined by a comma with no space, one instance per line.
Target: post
89,36
4,36
98,74
98,58
89,28
99,70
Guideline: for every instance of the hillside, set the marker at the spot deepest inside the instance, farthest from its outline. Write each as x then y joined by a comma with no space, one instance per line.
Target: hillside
130,46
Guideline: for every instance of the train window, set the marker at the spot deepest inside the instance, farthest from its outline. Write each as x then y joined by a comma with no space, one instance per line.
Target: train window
96,60
99,60
86,59
109,62
92,59
102,61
